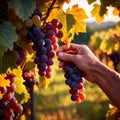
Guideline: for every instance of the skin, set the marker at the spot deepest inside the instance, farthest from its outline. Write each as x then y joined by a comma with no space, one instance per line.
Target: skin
94,70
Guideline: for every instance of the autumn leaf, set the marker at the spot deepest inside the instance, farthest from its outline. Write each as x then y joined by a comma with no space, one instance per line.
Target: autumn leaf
116,12
1,95
96,13
79,16
4,82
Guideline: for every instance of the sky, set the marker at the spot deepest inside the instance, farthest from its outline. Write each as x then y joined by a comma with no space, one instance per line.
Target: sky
88,8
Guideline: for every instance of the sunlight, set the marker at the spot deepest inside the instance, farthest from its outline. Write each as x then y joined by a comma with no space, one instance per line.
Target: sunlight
84,4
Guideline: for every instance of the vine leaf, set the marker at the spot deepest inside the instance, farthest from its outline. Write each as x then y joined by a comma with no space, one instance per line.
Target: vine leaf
3,83
79,16
75,22
96,13
106,45
7,37
23,8
116,12
8,60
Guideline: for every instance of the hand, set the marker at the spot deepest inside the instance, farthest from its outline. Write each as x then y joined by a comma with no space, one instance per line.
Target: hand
94,70
80,55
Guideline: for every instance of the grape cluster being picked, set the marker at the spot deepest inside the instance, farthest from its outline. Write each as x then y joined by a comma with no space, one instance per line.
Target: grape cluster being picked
45,38
75,81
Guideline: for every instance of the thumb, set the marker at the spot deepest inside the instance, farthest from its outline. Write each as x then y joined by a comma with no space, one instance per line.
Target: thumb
65,56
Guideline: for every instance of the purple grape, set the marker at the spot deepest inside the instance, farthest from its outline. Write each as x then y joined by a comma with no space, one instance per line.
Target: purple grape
50,33
41,42
68,82
37,12
50,62
73,90
74,97
73,84
42,50
47,41
42,66
43,58
41,35
30,35
51,54
36,31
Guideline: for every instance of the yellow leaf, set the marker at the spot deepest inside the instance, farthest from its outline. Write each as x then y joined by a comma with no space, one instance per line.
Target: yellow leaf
78,13
4,82
72,20
1,95
23,117
106,46
96,13
78,16
82,27
116,12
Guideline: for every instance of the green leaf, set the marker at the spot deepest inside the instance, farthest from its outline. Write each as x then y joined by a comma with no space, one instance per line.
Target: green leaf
8,61
23,8
3,49
7,37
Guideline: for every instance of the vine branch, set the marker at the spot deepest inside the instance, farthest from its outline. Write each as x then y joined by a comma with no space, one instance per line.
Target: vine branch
48,12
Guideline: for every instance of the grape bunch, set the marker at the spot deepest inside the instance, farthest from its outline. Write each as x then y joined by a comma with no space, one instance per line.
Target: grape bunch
75,80
9,104
45,39
29,77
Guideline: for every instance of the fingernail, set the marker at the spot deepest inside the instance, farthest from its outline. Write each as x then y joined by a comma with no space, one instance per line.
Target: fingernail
60,55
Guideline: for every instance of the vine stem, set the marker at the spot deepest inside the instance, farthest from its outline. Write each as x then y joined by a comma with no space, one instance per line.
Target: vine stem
48,12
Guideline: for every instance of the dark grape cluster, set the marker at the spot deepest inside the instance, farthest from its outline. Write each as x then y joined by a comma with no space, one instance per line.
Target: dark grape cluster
9,104
45,42
75,80
29,77
114,56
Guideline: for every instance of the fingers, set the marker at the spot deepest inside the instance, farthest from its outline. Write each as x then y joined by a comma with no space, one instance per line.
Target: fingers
65,56
73,47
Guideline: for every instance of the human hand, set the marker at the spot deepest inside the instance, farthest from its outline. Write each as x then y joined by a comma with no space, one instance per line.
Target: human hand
82,56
